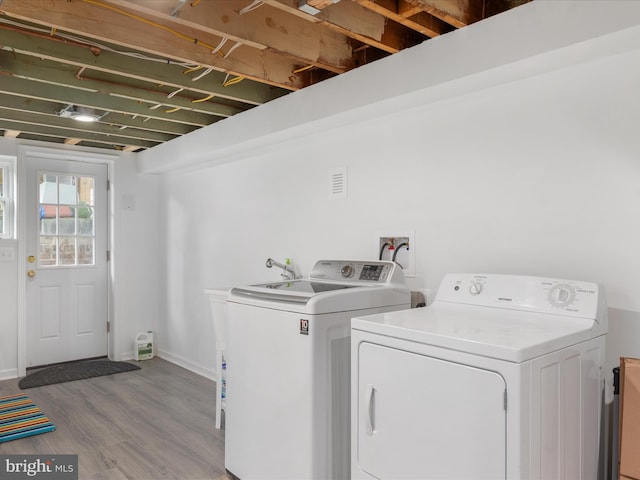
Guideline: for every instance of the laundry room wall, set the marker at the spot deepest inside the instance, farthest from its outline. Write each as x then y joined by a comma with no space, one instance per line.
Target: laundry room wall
138,256
533,174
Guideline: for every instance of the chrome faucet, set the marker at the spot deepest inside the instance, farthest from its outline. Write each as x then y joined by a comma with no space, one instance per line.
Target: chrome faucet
287,272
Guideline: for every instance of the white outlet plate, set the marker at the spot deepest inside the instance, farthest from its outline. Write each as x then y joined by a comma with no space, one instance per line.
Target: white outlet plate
406,257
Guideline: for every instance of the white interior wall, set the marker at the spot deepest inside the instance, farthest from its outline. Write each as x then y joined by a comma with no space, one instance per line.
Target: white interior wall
137,254
536,177
8,294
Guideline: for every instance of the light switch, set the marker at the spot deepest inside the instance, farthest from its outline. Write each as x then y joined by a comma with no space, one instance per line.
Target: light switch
7,254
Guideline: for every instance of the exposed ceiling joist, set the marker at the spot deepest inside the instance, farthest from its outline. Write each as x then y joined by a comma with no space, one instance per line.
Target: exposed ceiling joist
270,29
11,133
421,22
158,69
95,19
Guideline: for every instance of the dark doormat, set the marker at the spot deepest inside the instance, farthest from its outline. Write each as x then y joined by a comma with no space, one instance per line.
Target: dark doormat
68,372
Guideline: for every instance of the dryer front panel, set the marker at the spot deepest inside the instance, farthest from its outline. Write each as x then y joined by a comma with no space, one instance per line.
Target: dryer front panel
424,417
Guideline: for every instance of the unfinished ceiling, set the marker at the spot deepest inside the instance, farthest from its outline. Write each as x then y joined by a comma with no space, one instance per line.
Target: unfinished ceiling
152,70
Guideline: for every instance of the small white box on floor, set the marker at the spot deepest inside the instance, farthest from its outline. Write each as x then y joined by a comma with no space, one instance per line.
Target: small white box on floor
143,346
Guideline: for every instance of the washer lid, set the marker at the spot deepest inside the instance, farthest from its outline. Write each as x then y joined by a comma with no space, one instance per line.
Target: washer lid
304,286
333,286
510,335
343,298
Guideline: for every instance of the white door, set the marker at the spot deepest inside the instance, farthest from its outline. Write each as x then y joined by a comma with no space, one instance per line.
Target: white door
424,418
66,264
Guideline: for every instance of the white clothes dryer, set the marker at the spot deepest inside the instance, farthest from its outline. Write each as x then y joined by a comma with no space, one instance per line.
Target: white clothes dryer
288,368
500,378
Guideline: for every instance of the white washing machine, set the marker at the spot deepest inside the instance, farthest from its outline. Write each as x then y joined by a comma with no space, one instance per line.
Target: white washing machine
288,368
500,378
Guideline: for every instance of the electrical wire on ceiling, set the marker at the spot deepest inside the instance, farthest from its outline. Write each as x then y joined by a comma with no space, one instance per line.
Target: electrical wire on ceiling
198,77
92,43
220,45
232,49
189,67
233,81
200,100
193,69
174,93
253,6
302,69
158,25
175,10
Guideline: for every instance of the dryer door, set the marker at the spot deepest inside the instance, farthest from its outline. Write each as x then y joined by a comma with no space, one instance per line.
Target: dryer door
421,417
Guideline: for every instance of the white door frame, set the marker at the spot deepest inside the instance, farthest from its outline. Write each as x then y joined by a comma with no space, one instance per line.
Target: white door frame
25,151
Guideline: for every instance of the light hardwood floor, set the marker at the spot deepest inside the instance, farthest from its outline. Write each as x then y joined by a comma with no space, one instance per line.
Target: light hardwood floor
153,423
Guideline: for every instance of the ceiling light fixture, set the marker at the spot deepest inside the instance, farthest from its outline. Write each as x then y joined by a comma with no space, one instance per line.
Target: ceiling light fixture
81,114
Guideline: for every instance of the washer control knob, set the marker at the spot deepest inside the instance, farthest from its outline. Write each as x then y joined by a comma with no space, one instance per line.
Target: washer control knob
347,271
475,288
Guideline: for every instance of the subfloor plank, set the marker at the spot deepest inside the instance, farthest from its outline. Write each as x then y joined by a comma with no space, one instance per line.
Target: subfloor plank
153,423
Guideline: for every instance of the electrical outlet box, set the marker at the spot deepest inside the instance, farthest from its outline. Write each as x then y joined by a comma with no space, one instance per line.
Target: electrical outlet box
398,246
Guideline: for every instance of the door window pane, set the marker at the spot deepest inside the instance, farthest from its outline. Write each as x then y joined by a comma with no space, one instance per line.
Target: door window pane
48,251
67,227
67,250
67,193
85,251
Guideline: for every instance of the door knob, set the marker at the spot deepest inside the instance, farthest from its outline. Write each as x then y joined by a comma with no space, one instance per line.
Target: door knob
31,273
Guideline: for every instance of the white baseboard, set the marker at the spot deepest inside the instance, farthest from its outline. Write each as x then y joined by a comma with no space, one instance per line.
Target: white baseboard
124,356
205,372
8,374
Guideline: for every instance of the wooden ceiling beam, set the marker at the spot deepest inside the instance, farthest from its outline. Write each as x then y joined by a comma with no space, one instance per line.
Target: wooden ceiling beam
43,107
266,28
353,21
55,132
161,72
407,9
70,127
99,100
12,133
459,13
425,24
95,21
51,72
320,4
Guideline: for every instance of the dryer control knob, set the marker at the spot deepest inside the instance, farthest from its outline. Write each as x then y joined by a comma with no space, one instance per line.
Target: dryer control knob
475,288
562,295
